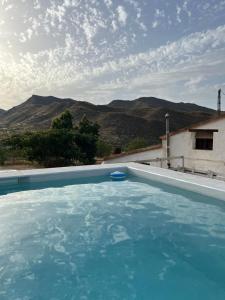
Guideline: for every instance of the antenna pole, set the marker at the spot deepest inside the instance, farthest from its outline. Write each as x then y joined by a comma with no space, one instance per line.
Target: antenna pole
219,102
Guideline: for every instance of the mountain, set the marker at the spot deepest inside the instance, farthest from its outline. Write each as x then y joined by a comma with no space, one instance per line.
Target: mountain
152,102
2,111
120,120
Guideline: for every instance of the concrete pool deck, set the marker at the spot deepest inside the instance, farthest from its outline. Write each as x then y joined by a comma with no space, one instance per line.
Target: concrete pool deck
205,186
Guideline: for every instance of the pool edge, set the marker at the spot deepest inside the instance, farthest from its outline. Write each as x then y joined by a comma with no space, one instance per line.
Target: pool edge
205,186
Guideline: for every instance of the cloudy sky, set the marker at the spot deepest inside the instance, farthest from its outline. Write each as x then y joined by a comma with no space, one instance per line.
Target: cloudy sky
99,50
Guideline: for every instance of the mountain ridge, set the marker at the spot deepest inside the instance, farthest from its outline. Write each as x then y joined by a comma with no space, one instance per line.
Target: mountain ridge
120,120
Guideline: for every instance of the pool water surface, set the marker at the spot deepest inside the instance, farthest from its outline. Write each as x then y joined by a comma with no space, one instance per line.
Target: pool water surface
110,240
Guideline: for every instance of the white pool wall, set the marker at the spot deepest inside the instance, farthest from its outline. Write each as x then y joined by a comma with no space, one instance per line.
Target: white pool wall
194,183
205,186
43,175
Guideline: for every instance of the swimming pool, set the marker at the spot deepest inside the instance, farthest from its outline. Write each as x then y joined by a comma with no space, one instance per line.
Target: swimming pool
94,238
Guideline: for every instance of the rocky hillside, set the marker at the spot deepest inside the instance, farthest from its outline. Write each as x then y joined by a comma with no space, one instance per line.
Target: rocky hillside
2,111
120,120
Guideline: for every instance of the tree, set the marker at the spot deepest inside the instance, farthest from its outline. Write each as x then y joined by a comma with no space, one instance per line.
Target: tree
103,149
62,145
64,121
87,127
136,143
50,148
53,148
87,144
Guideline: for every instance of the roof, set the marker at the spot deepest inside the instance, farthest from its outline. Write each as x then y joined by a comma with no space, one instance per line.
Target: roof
154,147
212,119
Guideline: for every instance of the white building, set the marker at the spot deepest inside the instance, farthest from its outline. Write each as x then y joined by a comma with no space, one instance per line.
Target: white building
199,148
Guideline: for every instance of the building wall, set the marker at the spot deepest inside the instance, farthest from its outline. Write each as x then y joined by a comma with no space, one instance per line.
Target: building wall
183,144
203,160
151,154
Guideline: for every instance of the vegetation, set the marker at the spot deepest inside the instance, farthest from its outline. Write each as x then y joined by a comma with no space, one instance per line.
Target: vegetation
136,143
65,121
3,156
61,145
103,149
87,127
117,150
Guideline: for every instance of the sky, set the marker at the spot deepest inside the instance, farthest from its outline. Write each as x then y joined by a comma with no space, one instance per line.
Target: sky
100,50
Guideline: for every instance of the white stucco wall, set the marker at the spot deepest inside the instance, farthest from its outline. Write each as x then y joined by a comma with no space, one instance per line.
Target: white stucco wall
205,160
151,154
183,144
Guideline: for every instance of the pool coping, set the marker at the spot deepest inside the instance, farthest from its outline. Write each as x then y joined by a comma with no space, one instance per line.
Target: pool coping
205,186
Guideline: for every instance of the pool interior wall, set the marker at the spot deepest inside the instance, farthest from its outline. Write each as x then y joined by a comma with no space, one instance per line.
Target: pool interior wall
59,182
205,186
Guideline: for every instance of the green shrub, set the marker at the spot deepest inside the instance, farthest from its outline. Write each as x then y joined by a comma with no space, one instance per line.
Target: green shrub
136,143
62,145
103,149
3,156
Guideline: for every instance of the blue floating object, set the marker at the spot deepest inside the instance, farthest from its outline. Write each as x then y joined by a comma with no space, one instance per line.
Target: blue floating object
117,175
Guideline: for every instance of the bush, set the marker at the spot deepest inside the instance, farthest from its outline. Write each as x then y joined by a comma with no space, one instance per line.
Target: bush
59,146
53,148
136,143
3,156
103,149
117,150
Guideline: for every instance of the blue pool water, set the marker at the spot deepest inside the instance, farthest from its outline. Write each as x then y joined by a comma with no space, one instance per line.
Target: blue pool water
110,240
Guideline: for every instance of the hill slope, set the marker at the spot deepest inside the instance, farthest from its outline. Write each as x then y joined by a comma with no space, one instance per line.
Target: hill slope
120,120
2,112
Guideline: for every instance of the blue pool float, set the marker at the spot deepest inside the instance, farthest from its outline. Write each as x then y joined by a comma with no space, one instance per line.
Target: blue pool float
117,175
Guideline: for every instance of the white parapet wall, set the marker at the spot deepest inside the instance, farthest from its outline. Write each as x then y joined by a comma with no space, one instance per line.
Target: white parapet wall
138,155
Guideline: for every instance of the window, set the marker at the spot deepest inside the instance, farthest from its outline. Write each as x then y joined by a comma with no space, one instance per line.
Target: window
204,144
204,140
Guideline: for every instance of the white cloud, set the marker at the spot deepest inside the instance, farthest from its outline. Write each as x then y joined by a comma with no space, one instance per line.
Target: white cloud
155,24
56,14
159,13
166,67
122,15
37,4
108,3
29,33
178,10
80,47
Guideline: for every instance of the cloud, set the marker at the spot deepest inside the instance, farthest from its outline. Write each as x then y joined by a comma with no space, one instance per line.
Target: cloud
159,15
108,3
122,15
56,14
155,24
179,63
101,49
178,10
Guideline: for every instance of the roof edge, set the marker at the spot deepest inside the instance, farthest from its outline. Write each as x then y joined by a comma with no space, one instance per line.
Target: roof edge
123,154
212,119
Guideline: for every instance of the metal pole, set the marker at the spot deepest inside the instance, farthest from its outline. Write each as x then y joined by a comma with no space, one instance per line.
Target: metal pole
167,116
219,102
183,163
